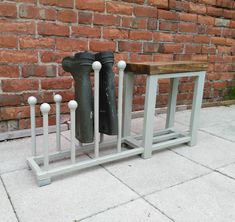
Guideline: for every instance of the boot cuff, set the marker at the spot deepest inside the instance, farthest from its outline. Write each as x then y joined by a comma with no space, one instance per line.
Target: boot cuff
104,57
85,56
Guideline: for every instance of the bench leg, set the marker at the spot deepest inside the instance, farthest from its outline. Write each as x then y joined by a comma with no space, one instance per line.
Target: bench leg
127,103
196,107
149,114
171,107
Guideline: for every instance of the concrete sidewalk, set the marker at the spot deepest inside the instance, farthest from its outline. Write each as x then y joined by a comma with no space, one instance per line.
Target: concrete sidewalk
181,184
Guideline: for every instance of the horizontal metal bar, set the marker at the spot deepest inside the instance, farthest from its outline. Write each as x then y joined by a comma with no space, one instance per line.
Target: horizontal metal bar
170,136
92,162
171,143
179,75
33,165
131,141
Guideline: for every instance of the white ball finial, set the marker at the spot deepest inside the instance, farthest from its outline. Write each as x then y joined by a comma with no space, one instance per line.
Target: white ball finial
32,100
45,108
96,65
72,104
121,65
57,98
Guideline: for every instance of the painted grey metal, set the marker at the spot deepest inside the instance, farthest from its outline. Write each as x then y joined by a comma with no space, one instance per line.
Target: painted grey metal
57,100
196,107
127,103
172,99
149,113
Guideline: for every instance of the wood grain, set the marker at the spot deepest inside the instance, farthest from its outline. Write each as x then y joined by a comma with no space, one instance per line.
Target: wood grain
156,68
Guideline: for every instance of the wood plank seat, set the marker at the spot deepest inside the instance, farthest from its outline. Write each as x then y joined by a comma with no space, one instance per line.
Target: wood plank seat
156,68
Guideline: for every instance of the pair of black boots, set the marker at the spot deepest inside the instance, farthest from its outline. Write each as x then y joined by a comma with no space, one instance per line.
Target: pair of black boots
80,66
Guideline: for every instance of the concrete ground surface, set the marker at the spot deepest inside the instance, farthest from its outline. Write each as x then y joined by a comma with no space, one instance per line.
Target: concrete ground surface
182,184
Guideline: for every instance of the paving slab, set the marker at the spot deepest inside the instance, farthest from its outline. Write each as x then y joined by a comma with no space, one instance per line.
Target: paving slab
163,170
208,116
6,211
228,170
210,198
210,151
224,130
14,152
135,211
66,199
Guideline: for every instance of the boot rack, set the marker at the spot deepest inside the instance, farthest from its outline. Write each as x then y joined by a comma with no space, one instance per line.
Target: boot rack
127,145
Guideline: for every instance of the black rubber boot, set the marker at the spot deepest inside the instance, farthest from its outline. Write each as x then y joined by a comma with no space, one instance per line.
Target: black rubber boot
108,121
80,66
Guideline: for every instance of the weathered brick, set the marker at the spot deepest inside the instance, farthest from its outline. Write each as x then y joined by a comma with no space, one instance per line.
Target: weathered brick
9,71
168,26
9,100
8,10
96,45
222,22
67,16
38,71
193,48
207,20
214,11
197,8
187,27
130,46
140,57
131,22
84,17
28,42
52,29
102,19
140,35
119,8
18,56
8,41
183,38
163,37
93,5
145,11
56,83
201,39
86,31
56,57
218,40
187,17
17,27
18,85
111,33
167,15
170,48
150,47
65,4
71,44
159,3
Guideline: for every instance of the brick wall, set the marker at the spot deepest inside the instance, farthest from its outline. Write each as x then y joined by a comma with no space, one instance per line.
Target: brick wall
36,34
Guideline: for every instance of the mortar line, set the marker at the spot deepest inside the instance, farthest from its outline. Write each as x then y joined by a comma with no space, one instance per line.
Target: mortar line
9,198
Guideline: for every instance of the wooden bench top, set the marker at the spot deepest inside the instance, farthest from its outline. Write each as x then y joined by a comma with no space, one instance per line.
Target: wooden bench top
155,68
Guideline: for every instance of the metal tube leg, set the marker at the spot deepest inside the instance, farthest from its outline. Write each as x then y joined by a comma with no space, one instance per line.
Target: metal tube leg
58,99
127,104
196,107
172,103
149,111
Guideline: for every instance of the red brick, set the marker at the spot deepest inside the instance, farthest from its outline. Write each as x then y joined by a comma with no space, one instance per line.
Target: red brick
57,57
8,41
38,71
187,17
193,49
8,10
214,31
218,40
187,27
131,22
112,33
130,46
8,113
18,56
225,3
140,57
17,27
168,26
197,8
84,17
119,8
208,2
201,39
141,35
159,3
170,48
167,15
65,4
86,31
150,47
96,45
67,16
52,29
9,100
183,38
28,11
152,23
18,85
206,20
220,85
163,57
145,11
93,5
224,49
101,19
214,11
9,71
28,42
71,44
181,6
47,14
56,83
163,37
